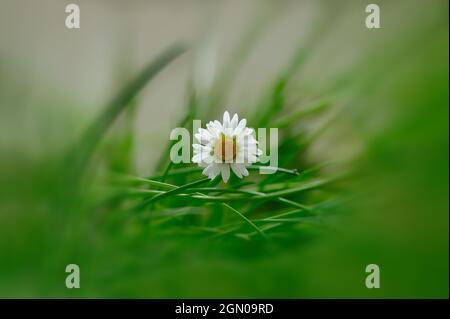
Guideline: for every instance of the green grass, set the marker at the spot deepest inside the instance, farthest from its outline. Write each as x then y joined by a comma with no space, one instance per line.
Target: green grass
363,178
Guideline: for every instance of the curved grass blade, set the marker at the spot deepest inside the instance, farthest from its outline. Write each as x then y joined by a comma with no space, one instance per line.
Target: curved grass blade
225,190
272,168
99,126
195,169
129,178
173,191
295,204
291,119
307,186
246,219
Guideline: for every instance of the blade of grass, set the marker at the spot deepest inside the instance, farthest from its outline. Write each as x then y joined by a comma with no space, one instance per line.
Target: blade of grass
163,158
290,119
195,169
148,181
99,126
174,191
295,204
272,168
225,190
292,212
248,221
301,188
265,227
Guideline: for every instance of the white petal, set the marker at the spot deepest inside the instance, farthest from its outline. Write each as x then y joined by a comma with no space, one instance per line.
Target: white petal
197,158
248,131
228,131
214,128
212,170
198,148
237,169
226,119
219,128
203,136
239,159
204,157
240,128
234,121
207,158
247,143
225,172
211,129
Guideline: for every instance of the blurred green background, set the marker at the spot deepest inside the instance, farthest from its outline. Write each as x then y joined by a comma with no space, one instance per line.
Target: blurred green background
368,106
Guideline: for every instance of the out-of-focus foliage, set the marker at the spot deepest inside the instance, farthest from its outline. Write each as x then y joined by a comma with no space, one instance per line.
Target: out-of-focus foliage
365,152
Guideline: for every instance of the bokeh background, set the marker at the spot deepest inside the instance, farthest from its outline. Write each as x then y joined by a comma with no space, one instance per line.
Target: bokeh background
387,128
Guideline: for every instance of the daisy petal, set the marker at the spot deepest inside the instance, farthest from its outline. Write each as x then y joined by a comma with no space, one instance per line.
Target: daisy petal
237,169
248,131
203,136
212,129
197,158
234,121
198,148
240,127
226,119
225,169
212,170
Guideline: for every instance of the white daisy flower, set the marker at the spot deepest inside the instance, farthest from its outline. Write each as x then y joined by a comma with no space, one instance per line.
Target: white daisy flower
226,145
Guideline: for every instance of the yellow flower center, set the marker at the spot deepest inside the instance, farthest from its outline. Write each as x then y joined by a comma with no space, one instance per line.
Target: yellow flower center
225,148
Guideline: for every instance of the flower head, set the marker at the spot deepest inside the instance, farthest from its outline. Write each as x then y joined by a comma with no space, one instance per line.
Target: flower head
224,146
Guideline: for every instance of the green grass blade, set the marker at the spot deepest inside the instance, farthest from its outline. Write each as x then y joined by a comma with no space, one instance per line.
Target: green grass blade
248,221
174,191
290,119
99,126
